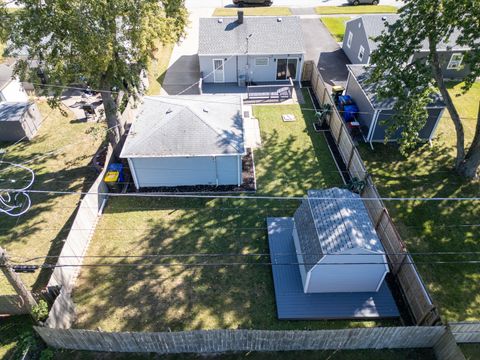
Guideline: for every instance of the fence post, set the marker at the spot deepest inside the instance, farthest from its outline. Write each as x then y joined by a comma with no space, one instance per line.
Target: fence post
446,347
350,158
340,133
16,282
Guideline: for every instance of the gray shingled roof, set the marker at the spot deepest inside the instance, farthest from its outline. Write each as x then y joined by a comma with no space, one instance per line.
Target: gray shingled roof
341,223
186,126
375,24
6,73
13,111
361,73
269,36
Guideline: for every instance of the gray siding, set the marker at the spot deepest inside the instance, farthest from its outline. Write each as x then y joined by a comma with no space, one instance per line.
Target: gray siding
366,110
359,38
444,57
206,67
24,129
178,171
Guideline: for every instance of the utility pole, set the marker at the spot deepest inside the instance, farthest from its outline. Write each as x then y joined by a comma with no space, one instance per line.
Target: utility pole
16,282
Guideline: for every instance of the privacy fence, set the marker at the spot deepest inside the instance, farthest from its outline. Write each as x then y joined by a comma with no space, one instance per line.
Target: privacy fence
62,313
401,265
218,341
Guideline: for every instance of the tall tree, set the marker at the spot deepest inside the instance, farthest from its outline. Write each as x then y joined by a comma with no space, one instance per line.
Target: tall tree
429,22
106,42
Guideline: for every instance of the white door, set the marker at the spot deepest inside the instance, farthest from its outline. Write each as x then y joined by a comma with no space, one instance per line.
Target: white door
218,70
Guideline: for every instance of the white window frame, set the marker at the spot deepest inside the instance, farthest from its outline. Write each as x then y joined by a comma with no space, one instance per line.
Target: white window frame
361,52
264,59
454,64
349,39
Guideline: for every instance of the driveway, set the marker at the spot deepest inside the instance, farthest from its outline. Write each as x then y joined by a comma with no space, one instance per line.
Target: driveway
195,4
322,48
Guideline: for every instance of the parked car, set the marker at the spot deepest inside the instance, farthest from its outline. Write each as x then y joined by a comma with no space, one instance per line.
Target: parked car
242,3
366,2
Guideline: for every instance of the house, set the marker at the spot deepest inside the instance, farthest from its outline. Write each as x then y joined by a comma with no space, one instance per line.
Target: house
358,44
18,120
11,89
186,141
244,50
374,113
337,247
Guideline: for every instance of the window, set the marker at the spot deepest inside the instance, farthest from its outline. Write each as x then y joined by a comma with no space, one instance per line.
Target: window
261,62
349,40
361,52
455,61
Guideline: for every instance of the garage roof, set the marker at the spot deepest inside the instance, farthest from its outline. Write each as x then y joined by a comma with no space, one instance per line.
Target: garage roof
269,35
187,126
13,111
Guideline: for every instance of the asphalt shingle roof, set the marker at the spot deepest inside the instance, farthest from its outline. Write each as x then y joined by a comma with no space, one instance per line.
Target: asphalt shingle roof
186,126
6,73
225,36
375,24
341,222
13,111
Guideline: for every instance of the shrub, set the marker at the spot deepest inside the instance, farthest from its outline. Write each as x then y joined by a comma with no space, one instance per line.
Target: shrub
40,311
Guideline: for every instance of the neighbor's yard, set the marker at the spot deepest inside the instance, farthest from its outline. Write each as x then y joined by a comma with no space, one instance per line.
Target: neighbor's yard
157,67
360,9
60,155
254,11
336,26
438,226
147,298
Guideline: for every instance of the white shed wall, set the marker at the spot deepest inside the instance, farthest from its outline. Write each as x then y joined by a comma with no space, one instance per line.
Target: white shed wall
14,92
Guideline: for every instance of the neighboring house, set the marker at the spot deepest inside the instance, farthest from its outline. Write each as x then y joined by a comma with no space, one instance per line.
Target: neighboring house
186,141
337,247
358,44
374,113
258,49
18,121
11,89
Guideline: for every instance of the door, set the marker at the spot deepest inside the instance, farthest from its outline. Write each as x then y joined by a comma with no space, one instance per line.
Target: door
218,70
287,68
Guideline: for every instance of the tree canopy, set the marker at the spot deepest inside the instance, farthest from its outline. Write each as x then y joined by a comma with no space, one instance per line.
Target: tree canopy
412,80
106,42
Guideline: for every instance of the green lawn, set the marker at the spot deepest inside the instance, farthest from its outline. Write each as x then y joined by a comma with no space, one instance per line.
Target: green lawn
471,351
360,9
436,226
293,159
43,228
336,26
157,68
12,329
254,11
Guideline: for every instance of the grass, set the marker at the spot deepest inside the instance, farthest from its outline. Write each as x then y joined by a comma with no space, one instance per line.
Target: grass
11,331
336,26
360,9
60,155
436,226
292,160
157,68
254,11
470,351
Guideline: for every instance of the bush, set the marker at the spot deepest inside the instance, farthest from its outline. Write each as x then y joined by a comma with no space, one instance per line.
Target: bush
40,311
47,354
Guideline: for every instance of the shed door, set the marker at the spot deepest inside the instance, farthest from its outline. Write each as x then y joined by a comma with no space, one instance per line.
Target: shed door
218,70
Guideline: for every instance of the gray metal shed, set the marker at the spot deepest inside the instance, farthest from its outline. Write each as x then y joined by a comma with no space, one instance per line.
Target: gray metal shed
375,113
186,141
18,121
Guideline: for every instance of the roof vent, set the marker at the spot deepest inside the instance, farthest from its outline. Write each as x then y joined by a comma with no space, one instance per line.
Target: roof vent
384,18
169,110
220,21
205,109
240,17
279,19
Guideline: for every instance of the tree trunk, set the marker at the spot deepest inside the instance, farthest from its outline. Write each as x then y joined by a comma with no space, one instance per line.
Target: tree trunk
114,118
438,76
469,167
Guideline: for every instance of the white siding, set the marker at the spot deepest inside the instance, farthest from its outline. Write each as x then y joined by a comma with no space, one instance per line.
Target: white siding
300,259
14,92
178,171
346,277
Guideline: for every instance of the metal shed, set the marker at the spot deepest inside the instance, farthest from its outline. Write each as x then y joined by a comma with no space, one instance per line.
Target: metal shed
186,141
18,121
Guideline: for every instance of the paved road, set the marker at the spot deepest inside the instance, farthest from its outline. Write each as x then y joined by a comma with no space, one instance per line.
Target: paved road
191,4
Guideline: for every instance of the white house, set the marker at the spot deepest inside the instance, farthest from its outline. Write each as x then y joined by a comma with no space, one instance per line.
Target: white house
258,49
11,89
186,141
337,247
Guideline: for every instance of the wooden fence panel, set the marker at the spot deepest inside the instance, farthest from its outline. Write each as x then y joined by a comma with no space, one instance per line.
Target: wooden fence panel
12,305
466,332
218,341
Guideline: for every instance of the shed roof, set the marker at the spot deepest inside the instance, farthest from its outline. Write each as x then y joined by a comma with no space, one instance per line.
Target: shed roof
269,35
361,74
341,222
375,24
186,126
13,111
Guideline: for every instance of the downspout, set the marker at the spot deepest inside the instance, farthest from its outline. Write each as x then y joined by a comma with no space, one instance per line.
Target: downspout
374,126
239,167
216,170
134,174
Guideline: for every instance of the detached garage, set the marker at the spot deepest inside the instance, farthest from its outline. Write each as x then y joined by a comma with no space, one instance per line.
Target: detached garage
186,141
18,121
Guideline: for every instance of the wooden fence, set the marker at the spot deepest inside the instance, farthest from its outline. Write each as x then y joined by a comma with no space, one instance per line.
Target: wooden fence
466,332
62,313
218,341
401,264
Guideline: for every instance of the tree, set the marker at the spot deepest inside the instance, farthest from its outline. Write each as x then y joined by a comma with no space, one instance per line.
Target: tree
106,42
413,83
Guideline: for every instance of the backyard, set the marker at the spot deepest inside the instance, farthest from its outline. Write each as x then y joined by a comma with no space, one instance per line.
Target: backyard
336,26
60,156
157,67
292,160
438,226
